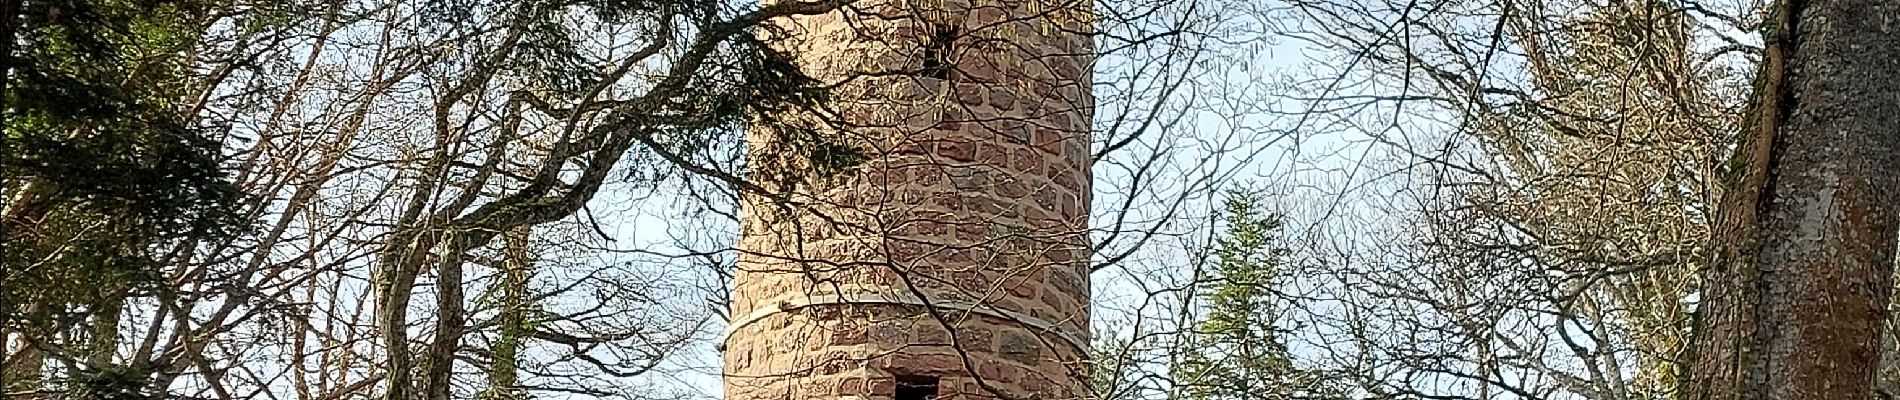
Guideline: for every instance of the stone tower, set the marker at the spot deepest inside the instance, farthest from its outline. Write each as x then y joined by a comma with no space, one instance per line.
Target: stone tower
951,263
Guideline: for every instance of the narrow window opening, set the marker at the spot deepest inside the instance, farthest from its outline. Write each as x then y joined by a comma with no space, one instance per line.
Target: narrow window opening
939,50
916,387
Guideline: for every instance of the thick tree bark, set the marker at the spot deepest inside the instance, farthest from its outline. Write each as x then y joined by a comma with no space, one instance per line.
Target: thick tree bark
1888,382
1796,291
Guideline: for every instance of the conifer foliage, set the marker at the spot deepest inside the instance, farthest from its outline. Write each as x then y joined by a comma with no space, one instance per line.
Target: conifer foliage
1237,350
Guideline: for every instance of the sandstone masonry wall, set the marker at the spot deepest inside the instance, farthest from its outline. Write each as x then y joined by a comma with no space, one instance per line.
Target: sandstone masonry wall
956,252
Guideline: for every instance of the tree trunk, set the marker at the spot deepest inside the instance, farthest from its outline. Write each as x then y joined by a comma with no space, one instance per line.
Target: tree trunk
438,362
395,282
1801,266
1888,383
511,319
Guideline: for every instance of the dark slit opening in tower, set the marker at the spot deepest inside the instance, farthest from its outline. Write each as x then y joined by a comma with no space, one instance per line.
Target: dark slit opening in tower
939,51
916,387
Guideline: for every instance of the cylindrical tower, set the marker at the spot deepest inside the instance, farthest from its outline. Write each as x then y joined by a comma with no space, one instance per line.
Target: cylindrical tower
951,262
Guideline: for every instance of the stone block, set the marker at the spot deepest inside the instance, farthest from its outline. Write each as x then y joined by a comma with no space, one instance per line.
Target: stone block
1002,99
957,150
851,385
1028,162
971,94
